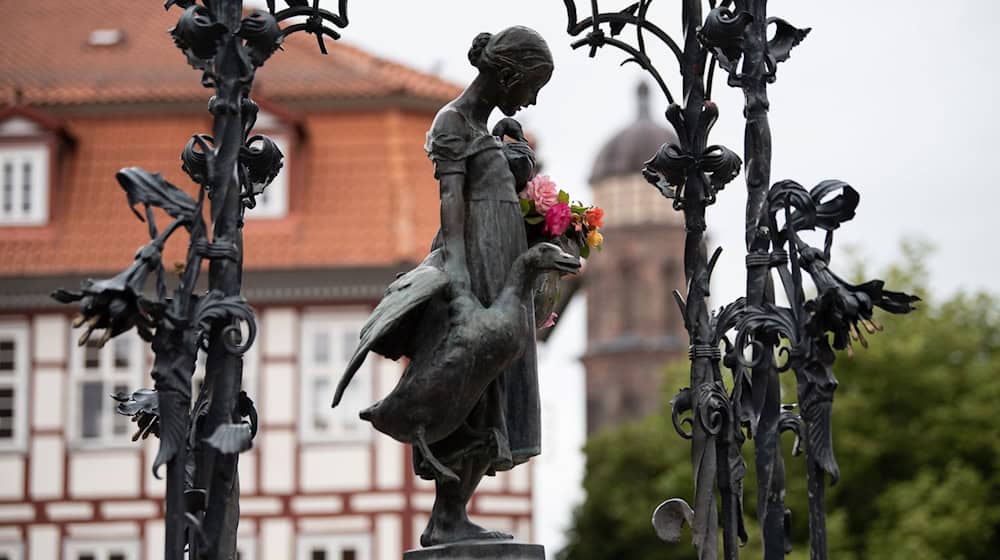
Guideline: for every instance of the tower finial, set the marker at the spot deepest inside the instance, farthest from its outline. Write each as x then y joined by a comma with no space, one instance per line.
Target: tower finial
642,92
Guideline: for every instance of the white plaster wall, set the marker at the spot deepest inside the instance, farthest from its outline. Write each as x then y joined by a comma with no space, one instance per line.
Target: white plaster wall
423,501
247,529
260,506
120,531
154,486
317,504
389,458
419,524
276,539
387,374
388,537
278,393
277,451
11,477
63,511
46,467
279,326
519,479
389,454
50,338
16,512
421,484
341,524
378,502
335,467
104,474
248,473
496,523
44,542
503,504
155,535
129,509
491,483
48,396
522,531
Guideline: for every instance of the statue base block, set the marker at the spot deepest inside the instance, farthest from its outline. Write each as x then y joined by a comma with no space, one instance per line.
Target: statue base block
479,550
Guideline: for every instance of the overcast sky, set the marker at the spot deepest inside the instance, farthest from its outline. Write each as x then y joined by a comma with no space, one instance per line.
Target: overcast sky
896,98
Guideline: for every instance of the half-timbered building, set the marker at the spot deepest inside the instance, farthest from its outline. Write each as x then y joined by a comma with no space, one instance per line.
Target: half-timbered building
89,87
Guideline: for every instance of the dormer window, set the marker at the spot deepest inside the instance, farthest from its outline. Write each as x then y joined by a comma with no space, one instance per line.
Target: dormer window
24,184
27,141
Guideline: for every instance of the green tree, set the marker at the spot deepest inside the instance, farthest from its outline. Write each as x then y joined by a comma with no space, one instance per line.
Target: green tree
916,435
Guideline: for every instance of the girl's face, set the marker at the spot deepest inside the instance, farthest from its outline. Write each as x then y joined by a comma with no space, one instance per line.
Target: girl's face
524,91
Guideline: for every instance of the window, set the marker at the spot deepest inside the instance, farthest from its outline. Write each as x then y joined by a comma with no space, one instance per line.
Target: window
273,202
24,176
11,551
340,547
13,384
328,341
98,373
90,550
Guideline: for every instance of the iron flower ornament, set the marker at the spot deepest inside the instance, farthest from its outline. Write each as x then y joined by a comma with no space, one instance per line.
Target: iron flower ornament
669,168
117,304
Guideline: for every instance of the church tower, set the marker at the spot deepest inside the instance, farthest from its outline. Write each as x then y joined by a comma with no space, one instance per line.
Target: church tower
634,327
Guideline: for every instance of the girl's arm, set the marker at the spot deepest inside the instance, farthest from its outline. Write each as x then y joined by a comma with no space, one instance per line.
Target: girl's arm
453,231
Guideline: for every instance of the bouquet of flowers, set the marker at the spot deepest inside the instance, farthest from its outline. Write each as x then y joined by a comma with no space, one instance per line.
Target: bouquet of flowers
544,204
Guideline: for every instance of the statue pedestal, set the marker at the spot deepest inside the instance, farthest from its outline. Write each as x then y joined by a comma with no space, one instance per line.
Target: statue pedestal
479,550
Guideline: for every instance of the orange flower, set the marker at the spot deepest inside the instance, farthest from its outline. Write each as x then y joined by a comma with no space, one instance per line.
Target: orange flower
595,239
594,217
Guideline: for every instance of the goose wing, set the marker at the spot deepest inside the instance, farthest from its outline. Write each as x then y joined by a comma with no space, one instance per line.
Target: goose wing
388,329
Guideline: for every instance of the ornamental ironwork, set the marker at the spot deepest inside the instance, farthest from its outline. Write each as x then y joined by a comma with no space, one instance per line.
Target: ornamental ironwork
753,337
200,442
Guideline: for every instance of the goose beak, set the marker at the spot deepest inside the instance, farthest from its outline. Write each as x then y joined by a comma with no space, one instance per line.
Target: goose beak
567,263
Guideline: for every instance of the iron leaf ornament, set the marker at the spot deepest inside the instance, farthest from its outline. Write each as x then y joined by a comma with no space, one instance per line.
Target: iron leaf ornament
200,436
755,338
724,33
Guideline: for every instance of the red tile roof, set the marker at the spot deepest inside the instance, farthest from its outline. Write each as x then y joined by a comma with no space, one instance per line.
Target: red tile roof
362,191
46,58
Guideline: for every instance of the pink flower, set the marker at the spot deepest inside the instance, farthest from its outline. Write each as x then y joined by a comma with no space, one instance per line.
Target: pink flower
543,192
551,321
557,219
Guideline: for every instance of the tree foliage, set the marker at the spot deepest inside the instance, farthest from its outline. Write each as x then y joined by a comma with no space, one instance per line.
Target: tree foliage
915,431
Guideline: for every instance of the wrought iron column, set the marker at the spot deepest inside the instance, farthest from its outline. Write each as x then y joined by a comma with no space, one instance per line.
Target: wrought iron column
231,167
691,174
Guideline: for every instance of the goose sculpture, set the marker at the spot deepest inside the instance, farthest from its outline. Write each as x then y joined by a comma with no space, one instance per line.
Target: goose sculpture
456,346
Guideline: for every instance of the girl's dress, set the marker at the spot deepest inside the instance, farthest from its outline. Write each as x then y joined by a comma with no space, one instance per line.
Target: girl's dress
506,422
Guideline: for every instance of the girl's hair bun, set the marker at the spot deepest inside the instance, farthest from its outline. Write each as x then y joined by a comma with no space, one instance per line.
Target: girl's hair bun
476,50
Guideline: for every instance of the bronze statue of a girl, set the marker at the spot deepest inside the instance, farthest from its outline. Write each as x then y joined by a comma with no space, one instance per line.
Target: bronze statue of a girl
482,233
478,279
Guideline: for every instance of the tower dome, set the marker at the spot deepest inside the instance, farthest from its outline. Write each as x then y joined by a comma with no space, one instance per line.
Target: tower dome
626,151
